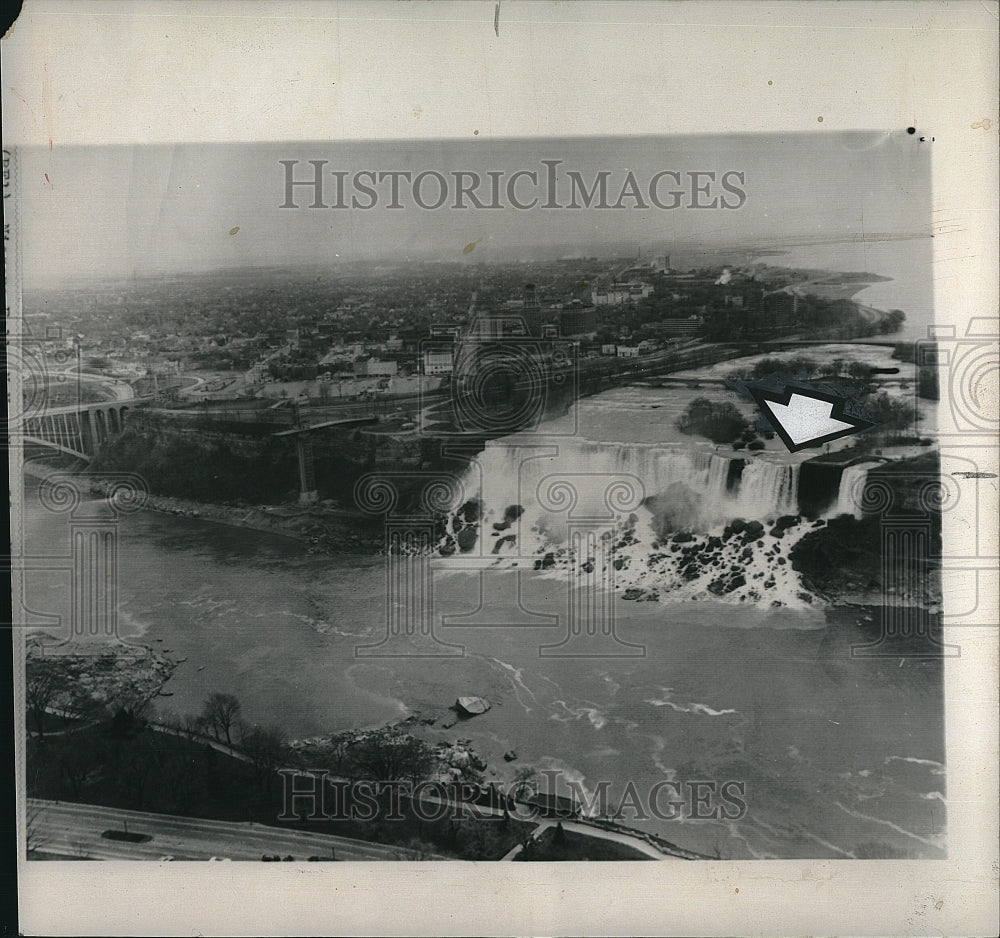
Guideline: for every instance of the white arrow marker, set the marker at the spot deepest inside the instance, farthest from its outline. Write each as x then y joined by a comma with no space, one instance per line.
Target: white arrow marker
806,417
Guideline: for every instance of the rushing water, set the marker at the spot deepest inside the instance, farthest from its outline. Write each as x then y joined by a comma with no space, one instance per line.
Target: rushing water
836,752
582,478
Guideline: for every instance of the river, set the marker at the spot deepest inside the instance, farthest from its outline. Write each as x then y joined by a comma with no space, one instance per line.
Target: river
840,756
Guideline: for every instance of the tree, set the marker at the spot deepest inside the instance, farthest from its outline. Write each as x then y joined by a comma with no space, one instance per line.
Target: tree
40,690
267,749
221,713
890,413
720,422
333,755
35,838
389,755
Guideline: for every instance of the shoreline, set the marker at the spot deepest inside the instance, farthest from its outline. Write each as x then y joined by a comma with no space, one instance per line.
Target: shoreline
314,526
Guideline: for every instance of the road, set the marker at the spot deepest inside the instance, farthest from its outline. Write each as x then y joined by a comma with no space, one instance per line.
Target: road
119,390
74,830
636,843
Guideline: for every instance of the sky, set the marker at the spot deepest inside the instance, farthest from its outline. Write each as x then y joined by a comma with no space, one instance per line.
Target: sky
123,211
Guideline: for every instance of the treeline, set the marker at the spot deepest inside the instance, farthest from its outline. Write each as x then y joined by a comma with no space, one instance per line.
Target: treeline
722,422
216,765
808,316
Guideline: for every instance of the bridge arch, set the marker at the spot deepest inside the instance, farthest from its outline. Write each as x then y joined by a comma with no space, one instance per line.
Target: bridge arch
100,426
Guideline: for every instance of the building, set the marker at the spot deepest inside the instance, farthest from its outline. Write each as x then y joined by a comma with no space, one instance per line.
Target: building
496,325
438,363
675,328
373,367
577,320
518,318
620,294
628,351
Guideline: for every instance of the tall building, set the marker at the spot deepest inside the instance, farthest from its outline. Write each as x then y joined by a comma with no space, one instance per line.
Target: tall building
577,319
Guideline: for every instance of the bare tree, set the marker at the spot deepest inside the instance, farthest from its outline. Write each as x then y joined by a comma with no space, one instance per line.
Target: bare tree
41,688
267,750
221,714
34,838
334,755
388,755
76,767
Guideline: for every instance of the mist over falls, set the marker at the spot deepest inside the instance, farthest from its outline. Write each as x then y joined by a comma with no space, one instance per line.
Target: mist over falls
692,489
688,521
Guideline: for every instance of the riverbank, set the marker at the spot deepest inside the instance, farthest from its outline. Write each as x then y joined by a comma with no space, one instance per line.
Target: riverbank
323,528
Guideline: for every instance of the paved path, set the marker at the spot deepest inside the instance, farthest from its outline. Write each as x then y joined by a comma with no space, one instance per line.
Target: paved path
636,843
74,830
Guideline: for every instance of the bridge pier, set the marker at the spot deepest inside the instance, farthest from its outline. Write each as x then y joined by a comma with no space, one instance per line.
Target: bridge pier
308,494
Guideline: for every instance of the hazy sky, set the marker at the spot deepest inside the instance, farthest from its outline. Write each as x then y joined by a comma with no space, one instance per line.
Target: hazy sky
123,211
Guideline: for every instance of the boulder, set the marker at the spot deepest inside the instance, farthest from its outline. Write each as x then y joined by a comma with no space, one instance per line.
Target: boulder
509,755
471,706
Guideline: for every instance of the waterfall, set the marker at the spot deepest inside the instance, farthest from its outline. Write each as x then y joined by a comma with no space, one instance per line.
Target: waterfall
767,490
852,481
539,501
686,488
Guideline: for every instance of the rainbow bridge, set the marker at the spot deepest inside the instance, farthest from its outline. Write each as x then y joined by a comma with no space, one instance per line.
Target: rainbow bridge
77,429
